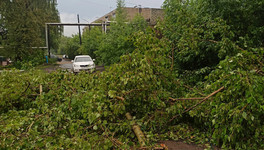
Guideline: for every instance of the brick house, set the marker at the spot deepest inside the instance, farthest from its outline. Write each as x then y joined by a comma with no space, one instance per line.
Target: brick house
151,15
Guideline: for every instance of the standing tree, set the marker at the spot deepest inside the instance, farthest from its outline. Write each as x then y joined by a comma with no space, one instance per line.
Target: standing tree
198,40
117,41
25,21
72,46
246,19
91,41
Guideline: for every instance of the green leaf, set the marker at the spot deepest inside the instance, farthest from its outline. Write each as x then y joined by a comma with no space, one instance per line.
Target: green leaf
244,114
95,127
252,118
213,121
111,93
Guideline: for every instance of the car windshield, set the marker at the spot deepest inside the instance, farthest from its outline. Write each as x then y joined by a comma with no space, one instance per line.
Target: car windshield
83,59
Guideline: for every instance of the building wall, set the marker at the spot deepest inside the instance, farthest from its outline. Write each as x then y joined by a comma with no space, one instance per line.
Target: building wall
151,15
132,12
156,15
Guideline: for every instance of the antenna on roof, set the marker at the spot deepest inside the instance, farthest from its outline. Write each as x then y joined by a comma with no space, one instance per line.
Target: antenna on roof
137,6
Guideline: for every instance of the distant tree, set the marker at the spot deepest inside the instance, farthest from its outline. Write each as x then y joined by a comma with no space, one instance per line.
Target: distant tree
63,44
91,41
72,46
121,14
138,23
25,21
107,48
117,41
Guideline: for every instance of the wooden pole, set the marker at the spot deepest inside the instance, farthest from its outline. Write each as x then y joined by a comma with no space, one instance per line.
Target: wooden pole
79,30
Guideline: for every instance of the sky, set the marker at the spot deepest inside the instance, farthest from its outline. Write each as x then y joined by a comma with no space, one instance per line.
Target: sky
90,10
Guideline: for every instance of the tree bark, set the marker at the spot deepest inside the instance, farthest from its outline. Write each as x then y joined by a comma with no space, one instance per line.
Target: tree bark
137,130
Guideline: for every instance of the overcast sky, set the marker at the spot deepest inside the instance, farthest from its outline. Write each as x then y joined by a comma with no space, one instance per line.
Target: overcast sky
90,10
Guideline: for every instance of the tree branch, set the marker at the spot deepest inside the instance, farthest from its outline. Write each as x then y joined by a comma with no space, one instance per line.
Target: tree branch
120,98
181,99
206,98
188,87
137,130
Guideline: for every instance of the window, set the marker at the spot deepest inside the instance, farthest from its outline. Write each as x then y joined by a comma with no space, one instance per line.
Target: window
83,59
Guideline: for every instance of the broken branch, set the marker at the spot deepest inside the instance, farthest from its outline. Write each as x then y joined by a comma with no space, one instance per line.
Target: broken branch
120,98
137,130
181,99
207,97
40,89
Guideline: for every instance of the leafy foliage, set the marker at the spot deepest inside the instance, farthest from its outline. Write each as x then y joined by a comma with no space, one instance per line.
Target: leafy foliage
117,41
25,25
71,46
63,45
236,113
84,111
91,41
108,47
244,17
196,38
192,55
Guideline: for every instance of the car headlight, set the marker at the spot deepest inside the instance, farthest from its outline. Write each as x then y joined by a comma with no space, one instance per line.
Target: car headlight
75,66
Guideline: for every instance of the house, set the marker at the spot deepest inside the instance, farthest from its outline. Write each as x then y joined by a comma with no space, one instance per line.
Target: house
151,15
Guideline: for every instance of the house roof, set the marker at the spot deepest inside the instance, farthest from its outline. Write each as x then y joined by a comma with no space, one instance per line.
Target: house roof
151,15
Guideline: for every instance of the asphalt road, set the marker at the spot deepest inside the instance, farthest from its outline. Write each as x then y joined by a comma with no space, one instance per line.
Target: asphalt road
65,64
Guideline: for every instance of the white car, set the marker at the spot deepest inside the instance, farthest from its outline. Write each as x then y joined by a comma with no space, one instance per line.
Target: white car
82,63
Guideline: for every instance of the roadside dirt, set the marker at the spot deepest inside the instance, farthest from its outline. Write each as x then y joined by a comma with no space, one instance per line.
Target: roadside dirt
179,145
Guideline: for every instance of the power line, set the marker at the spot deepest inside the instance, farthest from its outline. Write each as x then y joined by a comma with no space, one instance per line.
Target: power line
85,20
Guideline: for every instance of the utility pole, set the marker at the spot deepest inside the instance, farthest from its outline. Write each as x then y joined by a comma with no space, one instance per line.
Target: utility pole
80,36
47,28
48,41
